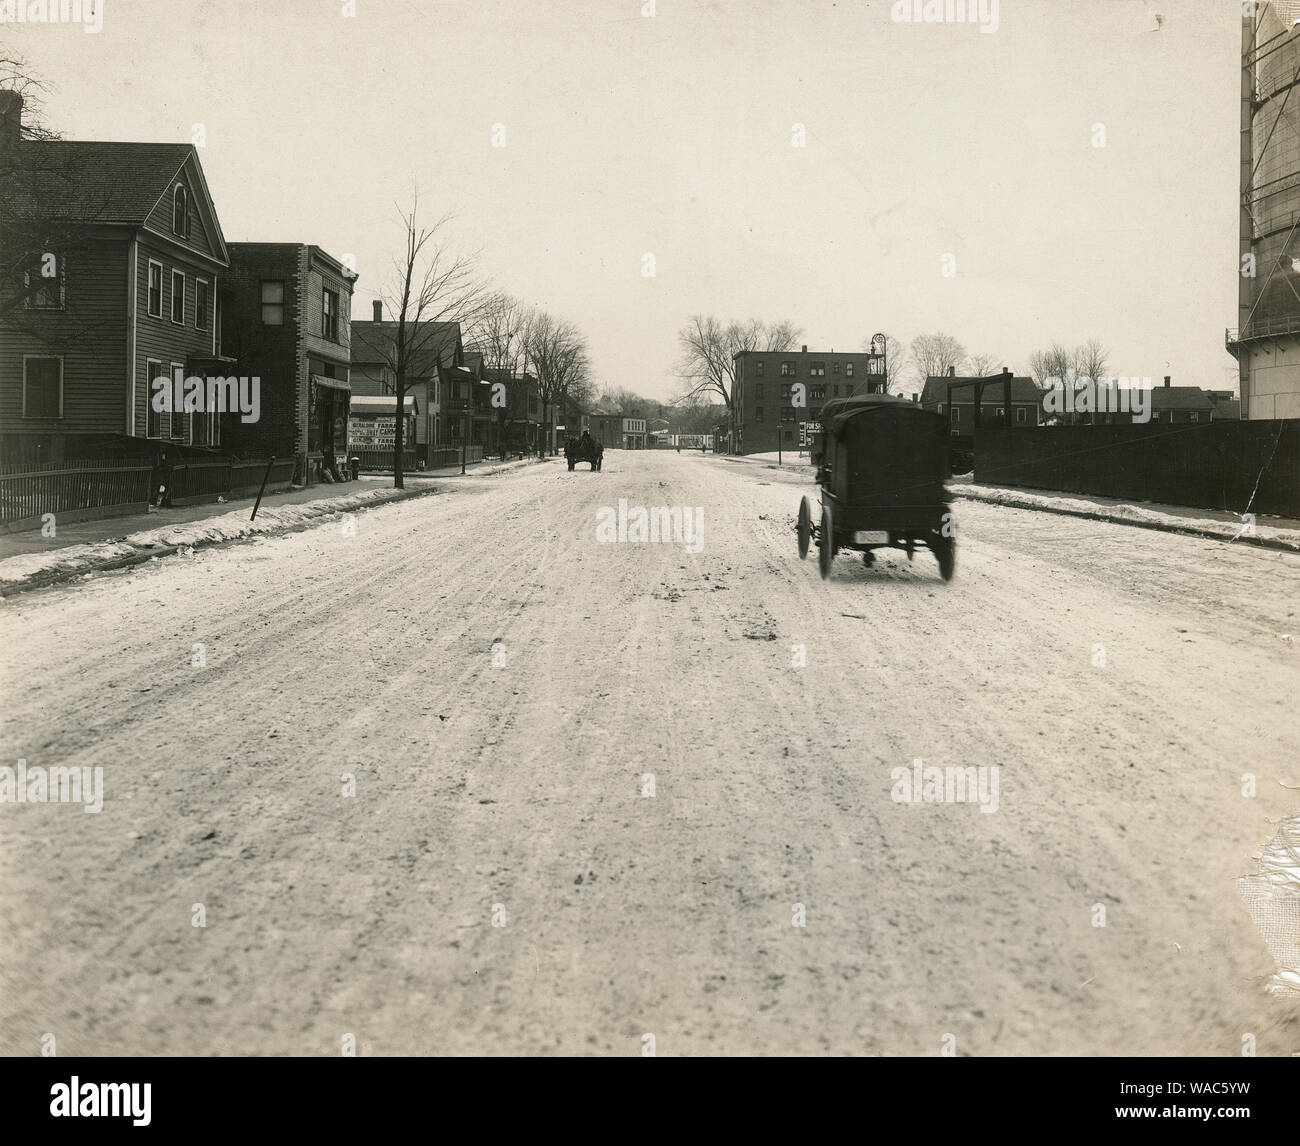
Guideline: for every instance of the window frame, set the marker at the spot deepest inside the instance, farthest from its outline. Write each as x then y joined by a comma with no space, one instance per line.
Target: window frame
202,313
148,290
328,298
181,199
261,295
178,419
149,412
43,358
29,298
175,275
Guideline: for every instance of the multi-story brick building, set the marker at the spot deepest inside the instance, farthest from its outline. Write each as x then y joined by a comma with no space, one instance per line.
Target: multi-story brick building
286,314
765,393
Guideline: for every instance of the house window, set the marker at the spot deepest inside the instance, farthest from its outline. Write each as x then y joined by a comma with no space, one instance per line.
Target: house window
180,420
835,391
1194,416
42,387
758,413
787,415
47,291
817,391
785,390
787,369
273,302
153,418
1021,414
178,297
956,415
1001,413
789,435
202,304
835,367
848,369
155,289
181,211
818,370
758,391
758,368
329,318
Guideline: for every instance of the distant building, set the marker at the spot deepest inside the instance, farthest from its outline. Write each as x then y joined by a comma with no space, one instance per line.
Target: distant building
765,384
613,431
1026,402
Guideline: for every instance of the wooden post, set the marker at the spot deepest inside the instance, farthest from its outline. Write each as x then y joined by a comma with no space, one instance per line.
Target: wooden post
265,478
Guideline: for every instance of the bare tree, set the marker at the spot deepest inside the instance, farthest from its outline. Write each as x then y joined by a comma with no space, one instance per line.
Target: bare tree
430,286
49,209
936,354
982,365
499,332
708,352
1091,359
559,357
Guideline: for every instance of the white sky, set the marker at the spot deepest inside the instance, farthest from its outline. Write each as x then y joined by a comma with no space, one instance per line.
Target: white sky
672,135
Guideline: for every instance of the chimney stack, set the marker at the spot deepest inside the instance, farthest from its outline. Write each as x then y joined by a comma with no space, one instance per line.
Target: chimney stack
11,120
1166,379
952,372
804,349
1006,370
379,310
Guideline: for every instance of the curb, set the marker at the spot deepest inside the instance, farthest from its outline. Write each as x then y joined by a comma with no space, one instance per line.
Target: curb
47,577
1159,526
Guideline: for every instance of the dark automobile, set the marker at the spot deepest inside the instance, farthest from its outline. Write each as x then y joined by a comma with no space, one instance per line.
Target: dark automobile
881,464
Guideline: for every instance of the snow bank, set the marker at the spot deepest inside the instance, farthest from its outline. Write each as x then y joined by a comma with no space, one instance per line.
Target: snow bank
1285,534
232,526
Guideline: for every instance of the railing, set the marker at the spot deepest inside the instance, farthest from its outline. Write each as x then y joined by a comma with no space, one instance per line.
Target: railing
443,456
1264,328
29,491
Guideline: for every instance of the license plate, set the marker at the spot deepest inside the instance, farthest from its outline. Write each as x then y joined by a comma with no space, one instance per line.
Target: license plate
871,537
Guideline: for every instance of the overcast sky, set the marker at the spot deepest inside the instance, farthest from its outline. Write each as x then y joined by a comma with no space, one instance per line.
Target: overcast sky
672,135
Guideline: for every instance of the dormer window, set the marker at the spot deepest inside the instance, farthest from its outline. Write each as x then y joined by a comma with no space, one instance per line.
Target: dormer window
181,210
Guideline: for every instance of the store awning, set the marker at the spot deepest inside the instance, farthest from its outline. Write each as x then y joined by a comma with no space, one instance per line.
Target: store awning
331,383
380,404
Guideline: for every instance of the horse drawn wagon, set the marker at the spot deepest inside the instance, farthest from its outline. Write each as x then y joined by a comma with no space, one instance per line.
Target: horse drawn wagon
584,449
881,464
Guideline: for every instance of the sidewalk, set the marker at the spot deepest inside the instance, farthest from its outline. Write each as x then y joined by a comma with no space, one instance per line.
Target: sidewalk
28,560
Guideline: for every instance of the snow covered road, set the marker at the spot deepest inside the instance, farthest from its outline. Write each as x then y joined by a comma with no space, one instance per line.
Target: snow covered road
505,691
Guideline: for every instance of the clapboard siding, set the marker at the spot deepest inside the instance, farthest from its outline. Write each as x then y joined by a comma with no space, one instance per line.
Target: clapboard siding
161,338
200,219
90,334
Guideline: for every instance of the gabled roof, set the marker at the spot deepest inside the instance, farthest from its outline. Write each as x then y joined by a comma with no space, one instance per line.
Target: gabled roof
90,181
436,344
1180,398
935,391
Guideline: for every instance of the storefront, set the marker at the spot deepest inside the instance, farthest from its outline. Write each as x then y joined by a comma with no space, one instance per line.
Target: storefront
328,401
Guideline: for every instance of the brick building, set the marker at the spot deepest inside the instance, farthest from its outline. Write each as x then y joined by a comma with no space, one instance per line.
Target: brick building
765,392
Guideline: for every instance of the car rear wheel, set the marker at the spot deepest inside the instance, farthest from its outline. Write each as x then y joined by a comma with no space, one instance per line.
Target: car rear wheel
827,542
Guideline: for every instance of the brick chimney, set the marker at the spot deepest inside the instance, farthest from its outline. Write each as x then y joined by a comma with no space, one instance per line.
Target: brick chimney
803,349
379,310
11,120
1166,379
952,372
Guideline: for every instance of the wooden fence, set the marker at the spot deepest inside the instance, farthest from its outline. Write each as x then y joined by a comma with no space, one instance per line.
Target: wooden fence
89,489
28,491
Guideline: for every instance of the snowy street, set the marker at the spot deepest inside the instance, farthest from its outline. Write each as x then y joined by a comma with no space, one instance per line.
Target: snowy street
505,692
